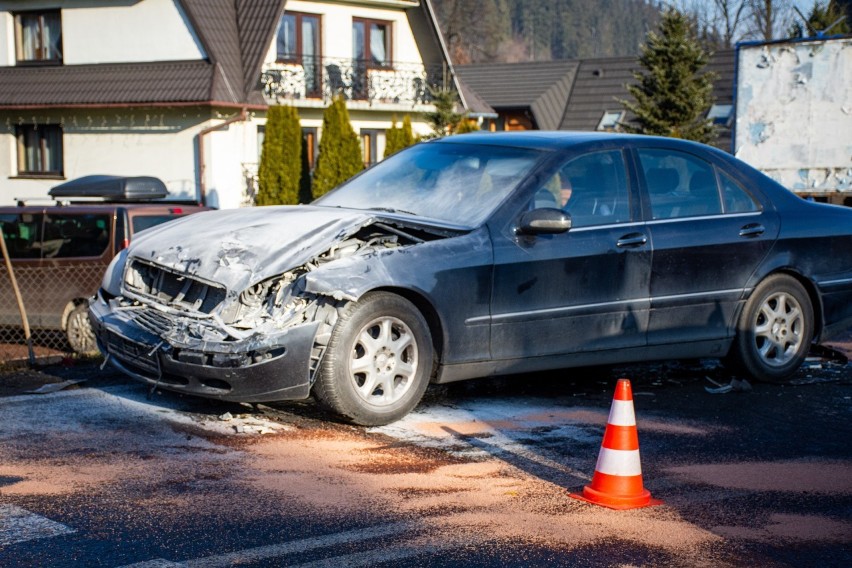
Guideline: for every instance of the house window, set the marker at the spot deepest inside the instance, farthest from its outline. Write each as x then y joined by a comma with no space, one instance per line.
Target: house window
610,120
372,143
371,43
298,42
38,37
261,135
310,147
720,114
39,150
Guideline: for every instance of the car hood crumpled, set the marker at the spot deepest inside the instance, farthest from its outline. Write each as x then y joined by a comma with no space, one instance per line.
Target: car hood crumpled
240,247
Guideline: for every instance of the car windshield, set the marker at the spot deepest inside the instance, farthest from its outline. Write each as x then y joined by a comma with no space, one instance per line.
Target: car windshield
458,183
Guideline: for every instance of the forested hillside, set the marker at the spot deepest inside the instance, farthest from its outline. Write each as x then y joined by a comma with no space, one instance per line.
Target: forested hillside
541,30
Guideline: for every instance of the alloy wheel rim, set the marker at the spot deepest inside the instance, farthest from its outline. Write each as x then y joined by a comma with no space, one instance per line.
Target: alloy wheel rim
82,336
383,361
779,329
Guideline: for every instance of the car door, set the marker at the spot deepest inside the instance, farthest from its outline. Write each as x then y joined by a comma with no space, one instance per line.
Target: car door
708,235
585,289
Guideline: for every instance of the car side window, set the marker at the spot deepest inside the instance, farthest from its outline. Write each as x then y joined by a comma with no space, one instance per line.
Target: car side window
592,188
679,184
70,235
22,233
736,199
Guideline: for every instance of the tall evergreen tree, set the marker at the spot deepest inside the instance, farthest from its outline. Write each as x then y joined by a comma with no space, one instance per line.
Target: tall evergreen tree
339,150
821,18
673,94
280,159
399,137
445,115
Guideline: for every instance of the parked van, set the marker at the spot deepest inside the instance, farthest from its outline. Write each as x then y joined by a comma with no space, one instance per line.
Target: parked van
59,252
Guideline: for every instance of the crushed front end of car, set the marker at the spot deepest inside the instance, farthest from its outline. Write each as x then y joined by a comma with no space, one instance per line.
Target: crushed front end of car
211,317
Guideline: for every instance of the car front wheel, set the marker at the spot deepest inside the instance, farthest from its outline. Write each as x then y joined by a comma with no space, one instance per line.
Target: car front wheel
79,331
775,330
378,361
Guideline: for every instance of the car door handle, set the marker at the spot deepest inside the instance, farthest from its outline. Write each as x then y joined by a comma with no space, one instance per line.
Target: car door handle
752,230
632,240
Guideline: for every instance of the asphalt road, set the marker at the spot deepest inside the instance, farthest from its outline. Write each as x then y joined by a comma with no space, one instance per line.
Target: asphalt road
480,475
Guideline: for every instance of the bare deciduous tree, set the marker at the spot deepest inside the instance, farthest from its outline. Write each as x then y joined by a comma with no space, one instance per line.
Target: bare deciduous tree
768,18
730,15
723,23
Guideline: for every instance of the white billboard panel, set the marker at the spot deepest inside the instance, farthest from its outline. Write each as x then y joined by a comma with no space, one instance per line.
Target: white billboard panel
794,113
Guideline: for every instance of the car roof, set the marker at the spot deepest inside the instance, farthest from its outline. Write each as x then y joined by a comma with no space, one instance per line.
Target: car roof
555,140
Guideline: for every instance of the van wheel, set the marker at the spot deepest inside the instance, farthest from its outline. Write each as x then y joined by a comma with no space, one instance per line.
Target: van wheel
79,331
378,361
775,330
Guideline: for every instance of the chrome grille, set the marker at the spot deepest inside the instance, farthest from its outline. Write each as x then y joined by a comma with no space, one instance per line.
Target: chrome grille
171,288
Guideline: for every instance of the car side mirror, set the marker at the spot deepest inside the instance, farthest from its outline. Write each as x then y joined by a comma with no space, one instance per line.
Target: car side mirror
546,221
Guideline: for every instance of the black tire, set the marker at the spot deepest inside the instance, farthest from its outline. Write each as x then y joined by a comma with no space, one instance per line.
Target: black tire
378,362
775,330
78,330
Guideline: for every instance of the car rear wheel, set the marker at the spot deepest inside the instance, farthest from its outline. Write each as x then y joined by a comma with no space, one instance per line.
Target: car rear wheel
378,361
79,331
775,330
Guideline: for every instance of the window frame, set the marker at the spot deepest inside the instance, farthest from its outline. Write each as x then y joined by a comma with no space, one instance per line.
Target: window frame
367,61
44,170
370,145
624,197
675,214
42,47
310,137
604,127
719,118
298,56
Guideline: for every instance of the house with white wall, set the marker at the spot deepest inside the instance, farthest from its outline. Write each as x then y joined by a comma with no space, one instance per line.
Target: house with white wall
179,89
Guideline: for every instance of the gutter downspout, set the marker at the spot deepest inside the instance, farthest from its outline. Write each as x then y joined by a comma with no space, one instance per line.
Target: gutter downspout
242,116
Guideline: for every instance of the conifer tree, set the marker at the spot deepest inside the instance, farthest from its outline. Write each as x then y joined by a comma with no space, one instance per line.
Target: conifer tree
827,18
339,149
673,94
399,137
445,115
281,158
393,139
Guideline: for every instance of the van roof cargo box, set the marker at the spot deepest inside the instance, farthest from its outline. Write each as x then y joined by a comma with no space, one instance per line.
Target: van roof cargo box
111,188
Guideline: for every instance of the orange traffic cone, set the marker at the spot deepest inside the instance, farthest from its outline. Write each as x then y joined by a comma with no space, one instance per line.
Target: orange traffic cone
617,482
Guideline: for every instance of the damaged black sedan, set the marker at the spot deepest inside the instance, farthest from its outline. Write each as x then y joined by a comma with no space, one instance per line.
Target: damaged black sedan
479,255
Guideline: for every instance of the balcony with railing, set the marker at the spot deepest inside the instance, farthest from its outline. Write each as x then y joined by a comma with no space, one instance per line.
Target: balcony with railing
314,81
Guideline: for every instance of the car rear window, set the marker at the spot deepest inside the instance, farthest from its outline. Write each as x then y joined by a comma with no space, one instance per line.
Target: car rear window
142,222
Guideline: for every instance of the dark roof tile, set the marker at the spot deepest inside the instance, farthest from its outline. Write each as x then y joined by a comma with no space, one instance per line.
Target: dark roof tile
542,86
235,35
121,83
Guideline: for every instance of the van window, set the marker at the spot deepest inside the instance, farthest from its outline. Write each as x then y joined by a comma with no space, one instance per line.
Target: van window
22,233
75,235
142,222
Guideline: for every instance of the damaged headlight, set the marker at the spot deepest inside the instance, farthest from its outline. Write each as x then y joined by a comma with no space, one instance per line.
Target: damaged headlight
263,300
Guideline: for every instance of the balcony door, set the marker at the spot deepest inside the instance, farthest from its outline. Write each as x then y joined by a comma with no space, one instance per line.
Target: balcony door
371,49
298,43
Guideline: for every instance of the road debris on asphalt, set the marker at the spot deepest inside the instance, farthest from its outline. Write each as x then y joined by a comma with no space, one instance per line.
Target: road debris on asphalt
736,385
48,388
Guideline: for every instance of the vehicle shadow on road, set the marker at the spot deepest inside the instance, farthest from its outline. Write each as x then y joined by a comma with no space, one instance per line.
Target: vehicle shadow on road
527,461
